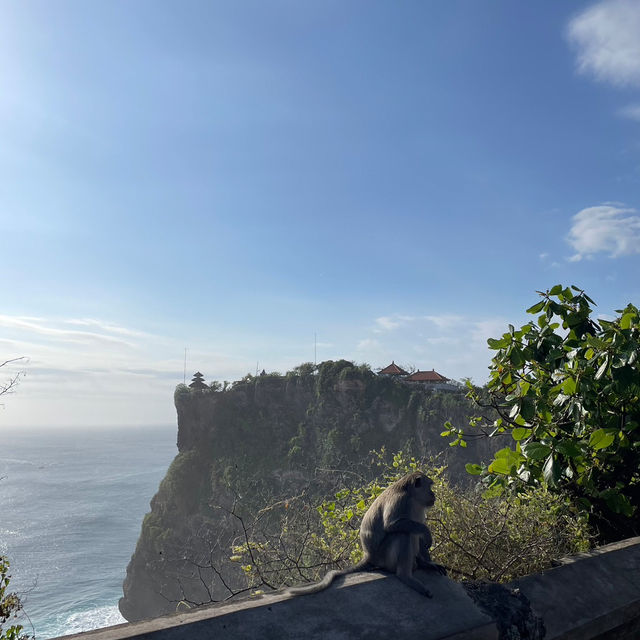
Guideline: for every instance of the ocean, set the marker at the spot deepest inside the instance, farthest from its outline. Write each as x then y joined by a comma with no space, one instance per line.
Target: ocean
71,507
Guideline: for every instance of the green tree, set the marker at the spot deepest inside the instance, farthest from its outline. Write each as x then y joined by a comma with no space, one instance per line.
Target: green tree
10,606
567,392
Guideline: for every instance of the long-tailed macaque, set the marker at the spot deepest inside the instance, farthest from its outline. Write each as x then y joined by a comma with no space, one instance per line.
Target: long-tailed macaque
394,535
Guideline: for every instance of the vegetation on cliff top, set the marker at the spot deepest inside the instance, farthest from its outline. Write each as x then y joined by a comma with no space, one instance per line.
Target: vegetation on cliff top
324,415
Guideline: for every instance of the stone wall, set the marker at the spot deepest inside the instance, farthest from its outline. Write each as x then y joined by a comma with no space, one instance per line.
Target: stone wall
591,596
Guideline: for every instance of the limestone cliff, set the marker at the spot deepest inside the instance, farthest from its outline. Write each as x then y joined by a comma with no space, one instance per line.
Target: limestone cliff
272,431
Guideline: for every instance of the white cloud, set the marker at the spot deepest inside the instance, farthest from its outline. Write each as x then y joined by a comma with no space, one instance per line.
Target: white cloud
47,328
632,111
606,37
605,229
444,320
104,326
389,323
442,340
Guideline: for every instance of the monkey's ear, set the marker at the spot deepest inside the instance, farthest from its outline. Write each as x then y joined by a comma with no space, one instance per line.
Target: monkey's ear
417,482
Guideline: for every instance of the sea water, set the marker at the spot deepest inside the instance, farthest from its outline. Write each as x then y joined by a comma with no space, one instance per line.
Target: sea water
71,506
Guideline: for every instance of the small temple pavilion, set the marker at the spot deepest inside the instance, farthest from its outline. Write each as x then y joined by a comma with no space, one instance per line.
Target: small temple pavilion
393,370
427,377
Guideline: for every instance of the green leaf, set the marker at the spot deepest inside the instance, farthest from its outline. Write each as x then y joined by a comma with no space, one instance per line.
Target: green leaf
569,386
505,461
568,448
601,439
520,433
473,469
626,320
551,470
500,465
520,421
498,344
536,450
554,291
574,319
528,409
589,353
536,308
516,358
597,343
617,502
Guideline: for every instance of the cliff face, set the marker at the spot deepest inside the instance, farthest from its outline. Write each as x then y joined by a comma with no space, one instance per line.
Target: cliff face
270,432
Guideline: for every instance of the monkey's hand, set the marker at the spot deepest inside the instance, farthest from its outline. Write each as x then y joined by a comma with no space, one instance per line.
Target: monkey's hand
424,562
434,566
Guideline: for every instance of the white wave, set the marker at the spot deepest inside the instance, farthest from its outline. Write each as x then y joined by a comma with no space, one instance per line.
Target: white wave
92,619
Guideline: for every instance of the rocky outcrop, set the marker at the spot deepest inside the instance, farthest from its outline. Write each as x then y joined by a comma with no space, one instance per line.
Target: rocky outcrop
270,431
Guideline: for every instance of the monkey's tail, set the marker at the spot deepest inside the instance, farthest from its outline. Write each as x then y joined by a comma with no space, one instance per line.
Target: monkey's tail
363,565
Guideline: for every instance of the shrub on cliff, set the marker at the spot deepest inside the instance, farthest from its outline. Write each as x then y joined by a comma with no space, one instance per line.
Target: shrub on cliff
498,539
181,390
10,606
567,393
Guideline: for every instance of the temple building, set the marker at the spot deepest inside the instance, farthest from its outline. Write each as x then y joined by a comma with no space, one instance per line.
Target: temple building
393,370
431,379
427,377
198,382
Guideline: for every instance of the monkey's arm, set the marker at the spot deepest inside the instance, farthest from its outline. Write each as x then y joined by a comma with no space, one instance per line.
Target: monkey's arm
405,525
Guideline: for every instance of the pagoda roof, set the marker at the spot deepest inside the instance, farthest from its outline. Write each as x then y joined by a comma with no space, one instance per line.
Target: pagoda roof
426,376
394,370
197,381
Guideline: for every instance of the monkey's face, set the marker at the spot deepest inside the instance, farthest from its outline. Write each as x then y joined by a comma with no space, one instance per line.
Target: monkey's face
423,492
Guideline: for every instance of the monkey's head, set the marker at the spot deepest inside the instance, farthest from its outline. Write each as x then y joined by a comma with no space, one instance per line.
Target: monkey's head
419,486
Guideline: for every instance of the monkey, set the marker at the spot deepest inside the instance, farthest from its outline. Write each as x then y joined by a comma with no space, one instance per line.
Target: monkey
393,535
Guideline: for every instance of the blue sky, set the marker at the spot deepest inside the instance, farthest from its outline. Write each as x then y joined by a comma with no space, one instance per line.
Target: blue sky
235,177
